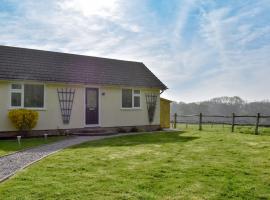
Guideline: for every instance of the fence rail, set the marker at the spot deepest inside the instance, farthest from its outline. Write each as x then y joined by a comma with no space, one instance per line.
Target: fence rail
233,123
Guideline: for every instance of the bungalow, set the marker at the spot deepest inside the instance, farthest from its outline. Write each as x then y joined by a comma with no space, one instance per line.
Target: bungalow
75,92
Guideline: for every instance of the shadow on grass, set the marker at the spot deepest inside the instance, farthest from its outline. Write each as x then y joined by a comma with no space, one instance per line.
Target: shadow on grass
140,139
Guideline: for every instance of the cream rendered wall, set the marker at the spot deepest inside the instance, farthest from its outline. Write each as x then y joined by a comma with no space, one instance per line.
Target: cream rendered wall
49,117
4,98
111,113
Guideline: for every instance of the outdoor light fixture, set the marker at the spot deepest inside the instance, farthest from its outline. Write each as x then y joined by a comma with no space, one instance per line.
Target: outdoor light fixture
19,139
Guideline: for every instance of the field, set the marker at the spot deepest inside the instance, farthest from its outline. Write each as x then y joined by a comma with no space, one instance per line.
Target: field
175,165
10,146
223,128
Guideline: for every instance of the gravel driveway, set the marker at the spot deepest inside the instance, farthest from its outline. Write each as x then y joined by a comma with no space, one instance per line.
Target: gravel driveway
10,164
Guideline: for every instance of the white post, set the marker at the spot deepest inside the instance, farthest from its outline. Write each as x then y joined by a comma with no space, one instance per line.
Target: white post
19,139
45,137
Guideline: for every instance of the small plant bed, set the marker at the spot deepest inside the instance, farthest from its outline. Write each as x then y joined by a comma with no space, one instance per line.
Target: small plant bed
175,165
10,146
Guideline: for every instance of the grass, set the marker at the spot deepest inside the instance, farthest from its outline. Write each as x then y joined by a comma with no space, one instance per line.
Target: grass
10,146
224,128
189,165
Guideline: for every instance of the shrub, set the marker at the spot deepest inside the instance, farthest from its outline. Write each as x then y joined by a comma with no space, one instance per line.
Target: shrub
23,119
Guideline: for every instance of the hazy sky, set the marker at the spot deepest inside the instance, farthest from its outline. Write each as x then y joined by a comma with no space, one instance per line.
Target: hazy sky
199,48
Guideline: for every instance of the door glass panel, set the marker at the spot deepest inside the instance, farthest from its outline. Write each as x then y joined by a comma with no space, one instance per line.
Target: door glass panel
91,99
91,113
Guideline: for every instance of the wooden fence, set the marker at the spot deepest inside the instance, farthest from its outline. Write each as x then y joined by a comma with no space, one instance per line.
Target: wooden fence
200,120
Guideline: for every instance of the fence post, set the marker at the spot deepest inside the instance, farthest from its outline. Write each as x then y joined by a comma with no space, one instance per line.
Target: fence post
200,122
233,121
175,118
257,124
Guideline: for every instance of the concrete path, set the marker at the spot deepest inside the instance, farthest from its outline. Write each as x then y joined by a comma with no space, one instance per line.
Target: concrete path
10,164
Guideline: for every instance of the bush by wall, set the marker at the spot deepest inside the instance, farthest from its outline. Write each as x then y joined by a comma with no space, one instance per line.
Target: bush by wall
23,119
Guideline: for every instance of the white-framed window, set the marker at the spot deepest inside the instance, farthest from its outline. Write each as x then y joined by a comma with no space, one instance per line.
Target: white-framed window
136,98
16,95
131,98
27,95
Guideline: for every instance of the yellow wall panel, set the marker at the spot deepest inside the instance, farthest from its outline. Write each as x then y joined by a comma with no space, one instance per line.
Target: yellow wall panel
164,113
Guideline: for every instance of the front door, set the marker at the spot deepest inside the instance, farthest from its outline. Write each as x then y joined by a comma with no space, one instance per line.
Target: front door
91,106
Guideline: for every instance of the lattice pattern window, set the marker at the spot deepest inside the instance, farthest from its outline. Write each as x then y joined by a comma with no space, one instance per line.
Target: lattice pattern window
66,98
151,102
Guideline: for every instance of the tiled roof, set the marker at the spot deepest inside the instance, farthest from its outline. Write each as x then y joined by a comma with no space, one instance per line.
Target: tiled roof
37,65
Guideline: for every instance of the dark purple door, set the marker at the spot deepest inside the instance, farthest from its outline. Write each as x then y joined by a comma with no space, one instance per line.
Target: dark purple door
91,106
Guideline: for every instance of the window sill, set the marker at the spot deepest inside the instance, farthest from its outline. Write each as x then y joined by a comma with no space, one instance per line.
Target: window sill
130,108
37,109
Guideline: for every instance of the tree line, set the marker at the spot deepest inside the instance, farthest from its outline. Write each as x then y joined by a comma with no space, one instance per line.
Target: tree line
223,106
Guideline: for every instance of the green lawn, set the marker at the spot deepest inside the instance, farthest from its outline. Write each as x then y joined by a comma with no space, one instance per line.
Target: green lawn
190,165
224,128
10,146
